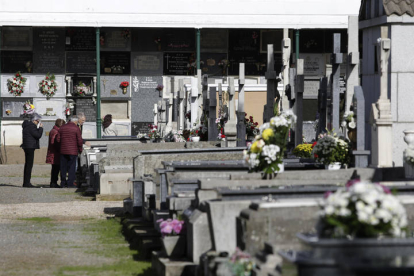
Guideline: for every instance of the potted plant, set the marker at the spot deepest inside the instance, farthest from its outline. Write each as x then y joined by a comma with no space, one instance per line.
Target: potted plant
266,152
16,84
303,150
154,134
332,151
174,243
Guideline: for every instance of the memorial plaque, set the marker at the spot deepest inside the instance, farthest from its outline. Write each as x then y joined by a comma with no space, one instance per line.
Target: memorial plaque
146,63
178,40
51,109
210,64
144,96
115,63
49,50
13,108
16,38
13,61
45,62
80,62
311,89
80,39
118,109
214,40
177,63
115,39
274,37
244,40
89,130
123,128
86,106
255,64
140,127
110,86
314,64
147,40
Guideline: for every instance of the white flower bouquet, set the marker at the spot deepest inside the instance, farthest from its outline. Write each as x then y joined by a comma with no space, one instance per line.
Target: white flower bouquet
268,148
362,210
330,149
16,84
48,86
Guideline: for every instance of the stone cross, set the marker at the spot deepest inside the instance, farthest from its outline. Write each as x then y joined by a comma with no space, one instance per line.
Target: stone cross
241,127
299,89
212,127
322,103
194,101
381,117
181,97
175,101
155,114
220,93
230,129
336,71
286,51
361,155
271,85
199,97
205,95
352,78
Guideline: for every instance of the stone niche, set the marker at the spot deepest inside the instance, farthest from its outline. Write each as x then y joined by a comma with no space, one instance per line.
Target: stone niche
89,130
51,109
118,109
31,88
123,128
110,87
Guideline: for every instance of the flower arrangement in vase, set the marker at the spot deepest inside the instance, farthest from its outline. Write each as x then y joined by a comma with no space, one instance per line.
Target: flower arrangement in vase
241,263
172,239
16,84
362,210
48,86
221,121
331,149
251,126
266,152
303,150
28,108
81,89
159,87
154,134
124,85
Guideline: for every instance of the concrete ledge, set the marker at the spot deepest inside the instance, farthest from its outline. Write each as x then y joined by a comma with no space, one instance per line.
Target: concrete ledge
167,267
115,184
111,197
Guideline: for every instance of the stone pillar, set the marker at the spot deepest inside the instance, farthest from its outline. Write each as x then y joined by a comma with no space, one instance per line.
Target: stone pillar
230,129
155,114
175,101
181,97
292,81
271,85
205,95
336,71
286,52
322,103
241,127
361,155
69,87
352,78
381,118
299,89
194,101
212,127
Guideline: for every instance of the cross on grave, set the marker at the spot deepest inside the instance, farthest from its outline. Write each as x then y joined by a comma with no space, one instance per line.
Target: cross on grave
194,101
272,91
336,71
212,127
230,129
361,155
299,89
241,127
205,95
155,114
322,103
286,51
181,96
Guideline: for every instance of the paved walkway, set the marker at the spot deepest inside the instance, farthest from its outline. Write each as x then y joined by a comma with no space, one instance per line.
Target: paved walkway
47,231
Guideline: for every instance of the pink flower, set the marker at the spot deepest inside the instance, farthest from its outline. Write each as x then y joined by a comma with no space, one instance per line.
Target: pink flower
352,182
166,230
327,194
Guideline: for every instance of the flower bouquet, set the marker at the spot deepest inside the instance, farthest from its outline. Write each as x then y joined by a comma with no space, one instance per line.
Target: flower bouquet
48,86
267,150
16,84
28,108
362,210
331,149
82,89
159,87
124,85
173,241
303,150
251,126
154,134
8,112
241,263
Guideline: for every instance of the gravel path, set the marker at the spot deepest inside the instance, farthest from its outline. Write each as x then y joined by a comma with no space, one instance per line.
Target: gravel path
43,229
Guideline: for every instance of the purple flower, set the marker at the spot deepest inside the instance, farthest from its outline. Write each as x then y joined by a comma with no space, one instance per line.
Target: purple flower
167,229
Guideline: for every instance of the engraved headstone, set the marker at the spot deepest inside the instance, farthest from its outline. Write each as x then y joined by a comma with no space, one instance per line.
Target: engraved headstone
210,64
115,63
147,39
80,39
176,63
214,40
111,86
80,62
178,40
13,108
146,63
86,106
51,109
13,61
49,50
140,127
144,96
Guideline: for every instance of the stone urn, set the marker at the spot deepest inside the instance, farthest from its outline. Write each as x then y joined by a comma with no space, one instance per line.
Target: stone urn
408,152
174,246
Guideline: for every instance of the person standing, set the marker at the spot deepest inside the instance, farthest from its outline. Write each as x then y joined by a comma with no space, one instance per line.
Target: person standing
109,129
53,153
70,140
32,132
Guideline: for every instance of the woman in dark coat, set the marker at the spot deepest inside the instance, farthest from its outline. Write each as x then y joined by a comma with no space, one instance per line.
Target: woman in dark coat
32,131
53,153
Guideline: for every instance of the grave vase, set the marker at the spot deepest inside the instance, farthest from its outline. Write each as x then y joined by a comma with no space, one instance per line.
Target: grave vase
124,90
174,246
195,139
352,135
333,166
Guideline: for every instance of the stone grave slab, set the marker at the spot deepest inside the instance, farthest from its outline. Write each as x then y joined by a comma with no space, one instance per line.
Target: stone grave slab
214,40
119,109
17,38
123,128
115,63
80,62
146,63
89,130
51,109
15,105
13,61
47,127
147,39
110,87
80,39
49,50
86,106
176,63
144,96
115,39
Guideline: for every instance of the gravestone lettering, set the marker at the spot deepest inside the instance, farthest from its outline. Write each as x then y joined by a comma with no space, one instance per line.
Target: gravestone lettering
176,63
80,39
115,62
13,108
13,61
214,40
146,63
86,106
179,40
80,62
45,62
144,96
115,39
49,50
16,38
140,127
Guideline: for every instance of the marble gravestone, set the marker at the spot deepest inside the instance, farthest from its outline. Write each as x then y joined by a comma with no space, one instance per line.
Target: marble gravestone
123,128
17,38
147,63
86,106
89,129
15,106
110,87
115,39
49,50
51,109
144,96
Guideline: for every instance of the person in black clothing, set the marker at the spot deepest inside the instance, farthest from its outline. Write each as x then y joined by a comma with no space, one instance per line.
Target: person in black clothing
32,131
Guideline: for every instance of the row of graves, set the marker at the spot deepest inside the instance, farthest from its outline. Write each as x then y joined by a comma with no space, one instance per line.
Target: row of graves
218,208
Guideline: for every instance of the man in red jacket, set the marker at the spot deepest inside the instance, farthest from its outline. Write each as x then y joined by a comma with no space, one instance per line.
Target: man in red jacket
70,139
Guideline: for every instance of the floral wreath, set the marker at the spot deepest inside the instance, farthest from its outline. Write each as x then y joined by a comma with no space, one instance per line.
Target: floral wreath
48,86
16,84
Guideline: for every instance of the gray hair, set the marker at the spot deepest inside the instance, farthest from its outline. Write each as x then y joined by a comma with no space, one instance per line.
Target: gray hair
36,117
74,119
81,115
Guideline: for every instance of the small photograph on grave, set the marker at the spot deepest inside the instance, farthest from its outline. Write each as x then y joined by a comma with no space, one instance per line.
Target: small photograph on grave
115,63
17,38
178,40
80,39
244,40
147,39
214,64
179,64
274,37
82,86
13,61
17,108
115,39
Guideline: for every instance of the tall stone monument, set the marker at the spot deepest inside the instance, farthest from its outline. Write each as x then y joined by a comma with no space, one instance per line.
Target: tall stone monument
241,126
352,77
271,85
286,52
299,89
230,129
336,71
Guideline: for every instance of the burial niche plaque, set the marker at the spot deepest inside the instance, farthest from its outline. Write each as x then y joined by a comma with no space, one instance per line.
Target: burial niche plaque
80,39
49,50
80,62
144,96
86,106
147,40
214,40
179,40
16,38
115,39
115,63
140,127
13,61
176,63
146,63
13,108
